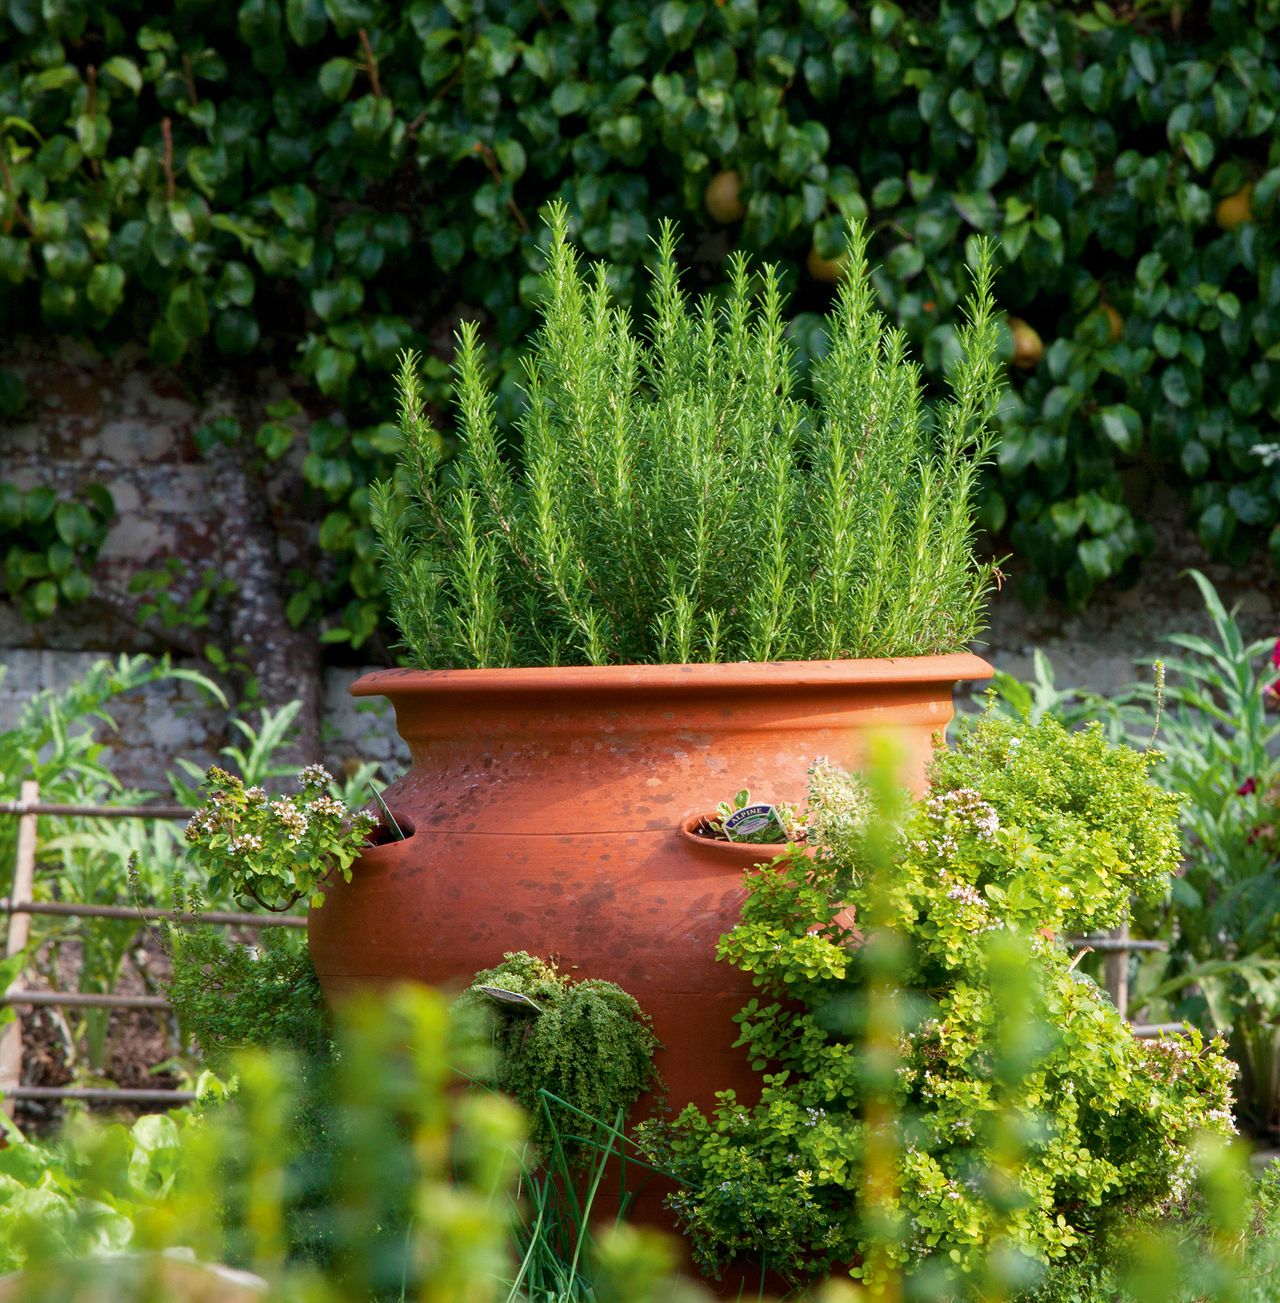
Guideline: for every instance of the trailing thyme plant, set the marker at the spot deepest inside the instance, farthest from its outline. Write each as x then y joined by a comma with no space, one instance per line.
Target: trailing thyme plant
674,499
584,1044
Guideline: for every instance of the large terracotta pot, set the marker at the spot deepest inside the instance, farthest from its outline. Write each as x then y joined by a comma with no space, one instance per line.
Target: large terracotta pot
548,810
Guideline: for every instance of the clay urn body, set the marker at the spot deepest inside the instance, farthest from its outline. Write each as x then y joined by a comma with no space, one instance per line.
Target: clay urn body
548,810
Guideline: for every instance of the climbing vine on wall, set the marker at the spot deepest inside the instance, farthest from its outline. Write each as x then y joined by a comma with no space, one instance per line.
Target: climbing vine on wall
324,182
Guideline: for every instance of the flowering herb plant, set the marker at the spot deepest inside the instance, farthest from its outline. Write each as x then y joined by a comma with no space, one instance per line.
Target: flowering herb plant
275,851
1036,1139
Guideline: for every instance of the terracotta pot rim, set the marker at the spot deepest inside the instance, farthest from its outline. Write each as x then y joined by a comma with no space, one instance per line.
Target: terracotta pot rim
731,676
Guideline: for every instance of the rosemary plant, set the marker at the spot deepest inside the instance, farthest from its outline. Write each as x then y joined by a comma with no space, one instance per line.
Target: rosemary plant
674,498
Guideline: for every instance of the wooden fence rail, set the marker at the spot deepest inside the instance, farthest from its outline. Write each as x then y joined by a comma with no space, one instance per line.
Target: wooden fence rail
20,907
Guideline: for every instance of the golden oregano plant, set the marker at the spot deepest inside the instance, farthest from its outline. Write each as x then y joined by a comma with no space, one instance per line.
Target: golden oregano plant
668,494
946,1098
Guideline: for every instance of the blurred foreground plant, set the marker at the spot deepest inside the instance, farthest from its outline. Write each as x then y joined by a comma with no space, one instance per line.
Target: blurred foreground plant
415,1193
410,1211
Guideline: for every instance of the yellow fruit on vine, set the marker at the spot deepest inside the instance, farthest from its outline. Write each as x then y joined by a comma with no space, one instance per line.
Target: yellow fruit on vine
1235,209
1115,322
723,197
826,269
1028,347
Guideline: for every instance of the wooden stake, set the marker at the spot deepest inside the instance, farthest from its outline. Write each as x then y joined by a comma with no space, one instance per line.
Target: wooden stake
24,872
1117,970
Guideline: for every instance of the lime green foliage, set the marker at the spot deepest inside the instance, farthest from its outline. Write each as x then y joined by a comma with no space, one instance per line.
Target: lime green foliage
417,1178
276,851
417,1200
676,501
230,997
589,1046
1087,808
1040,1141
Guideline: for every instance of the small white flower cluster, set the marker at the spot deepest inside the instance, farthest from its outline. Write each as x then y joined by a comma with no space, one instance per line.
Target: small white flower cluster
968,806
815,1116
290,818
966,895
943,847
247,844
1183,1176
255,795
313,776
202,824
325,807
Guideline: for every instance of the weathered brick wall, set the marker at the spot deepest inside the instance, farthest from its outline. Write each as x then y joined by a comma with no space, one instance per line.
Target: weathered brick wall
124,424
121,423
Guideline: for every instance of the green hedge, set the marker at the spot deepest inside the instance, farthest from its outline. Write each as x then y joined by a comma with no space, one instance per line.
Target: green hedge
324,182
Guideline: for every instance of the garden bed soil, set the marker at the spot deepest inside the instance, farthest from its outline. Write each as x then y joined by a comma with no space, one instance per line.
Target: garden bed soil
137,1041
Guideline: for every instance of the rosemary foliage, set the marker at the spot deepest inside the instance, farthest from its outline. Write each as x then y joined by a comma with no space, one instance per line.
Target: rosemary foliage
675,499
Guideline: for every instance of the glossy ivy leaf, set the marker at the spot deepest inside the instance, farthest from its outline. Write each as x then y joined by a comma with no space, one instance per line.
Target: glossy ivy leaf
13,393
106,287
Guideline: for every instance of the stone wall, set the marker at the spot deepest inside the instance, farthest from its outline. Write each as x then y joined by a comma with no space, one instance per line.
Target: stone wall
164,721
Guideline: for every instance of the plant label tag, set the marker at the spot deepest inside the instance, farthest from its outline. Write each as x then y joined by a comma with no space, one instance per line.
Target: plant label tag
753,820
501,996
